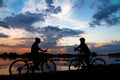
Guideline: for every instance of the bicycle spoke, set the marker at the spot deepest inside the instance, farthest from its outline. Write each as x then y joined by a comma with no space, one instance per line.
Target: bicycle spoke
48,66
18,67
99,63
74,65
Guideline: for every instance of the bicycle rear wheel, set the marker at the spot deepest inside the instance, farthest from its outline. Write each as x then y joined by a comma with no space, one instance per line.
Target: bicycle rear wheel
98,64
48,66
18,67
75,64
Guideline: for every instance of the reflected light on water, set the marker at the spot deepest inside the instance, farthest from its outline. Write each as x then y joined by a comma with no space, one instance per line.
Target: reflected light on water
4,66
60,65
4,70
62,68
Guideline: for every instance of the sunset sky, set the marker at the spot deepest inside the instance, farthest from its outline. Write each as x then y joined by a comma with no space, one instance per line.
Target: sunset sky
60,24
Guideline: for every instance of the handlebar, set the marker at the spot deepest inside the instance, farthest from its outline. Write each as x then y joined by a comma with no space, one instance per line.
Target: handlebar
44,51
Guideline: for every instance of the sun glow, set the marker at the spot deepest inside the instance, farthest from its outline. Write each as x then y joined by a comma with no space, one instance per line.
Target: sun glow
105,43
14,32
68,41
57,51
15,50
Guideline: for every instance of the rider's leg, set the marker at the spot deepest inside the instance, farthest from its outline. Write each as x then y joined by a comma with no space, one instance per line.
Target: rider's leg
36,64
87,61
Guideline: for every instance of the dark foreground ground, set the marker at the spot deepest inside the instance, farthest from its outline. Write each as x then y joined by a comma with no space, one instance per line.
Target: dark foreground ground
111,72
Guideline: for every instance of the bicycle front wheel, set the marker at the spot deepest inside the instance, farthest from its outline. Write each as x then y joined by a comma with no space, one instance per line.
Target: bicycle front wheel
18,67
75,64
48,66
98,63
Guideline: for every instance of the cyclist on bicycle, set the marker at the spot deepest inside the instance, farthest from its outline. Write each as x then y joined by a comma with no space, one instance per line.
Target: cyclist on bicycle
37,56
83,48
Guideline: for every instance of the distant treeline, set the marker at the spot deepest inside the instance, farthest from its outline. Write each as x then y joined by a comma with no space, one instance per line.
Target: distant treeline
60,55
114,54
27,55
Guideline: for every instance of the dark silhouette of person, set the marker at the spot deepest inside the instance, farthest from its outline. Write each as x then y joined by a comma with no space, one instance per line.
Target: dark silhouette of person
36,55
83,48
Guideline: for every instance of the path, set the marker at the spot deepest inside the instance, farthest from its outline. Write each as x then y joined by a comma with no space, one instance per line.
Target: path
112,71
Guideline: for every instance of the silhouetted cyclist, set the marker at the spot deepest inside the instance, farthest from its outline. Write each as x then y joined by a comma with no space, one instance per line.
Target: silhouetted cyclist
83,48
37,56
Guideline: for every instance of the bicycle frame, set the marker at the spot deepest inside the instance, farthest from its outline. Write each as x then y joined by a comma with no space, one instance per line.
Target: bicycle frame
81,63
25,65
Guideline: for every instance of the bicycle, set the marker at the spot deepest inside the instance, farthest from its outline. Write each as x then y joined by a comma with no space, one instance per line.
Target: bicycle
95,63
25,66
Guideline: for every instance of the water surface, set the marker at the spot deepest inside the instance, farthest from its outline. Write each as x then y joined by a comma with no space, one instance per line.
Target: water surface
61,64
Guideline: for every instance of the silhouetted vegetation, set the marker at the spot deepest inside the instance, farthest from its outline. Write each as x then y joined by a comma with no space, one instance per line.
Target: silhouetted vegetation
114,54
27,55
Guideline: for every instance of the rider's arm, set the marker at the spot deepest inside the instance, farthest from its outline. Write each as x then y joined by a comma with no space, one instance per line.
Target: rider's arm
75,49
42,50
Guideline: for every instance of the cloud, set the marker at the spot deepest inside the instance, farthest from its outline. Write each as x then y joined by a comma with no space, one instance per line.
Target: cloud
57,32
50,35
113,46
78,3
101,48
51,8
3,24
23,20
107,13
3,35
2,3
46,7
53,34
49,2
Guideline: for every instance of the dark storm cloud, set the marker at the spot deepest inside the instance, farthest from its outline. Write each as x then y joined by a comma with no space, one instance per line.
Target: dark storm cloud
3,35
49,2
53,34
2,3
56,32
3,24
51,9
27,19
24,20
111,47
106,13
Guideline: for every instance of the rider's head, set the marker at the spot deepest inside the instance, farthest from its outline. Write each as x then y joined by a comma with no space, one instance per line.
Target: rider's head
37,40
82,39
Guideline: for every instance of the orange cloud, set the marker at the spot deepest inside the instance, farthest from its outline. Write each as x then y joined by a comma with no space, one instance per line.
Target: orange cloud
57,51
16,50
100,44
10,41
